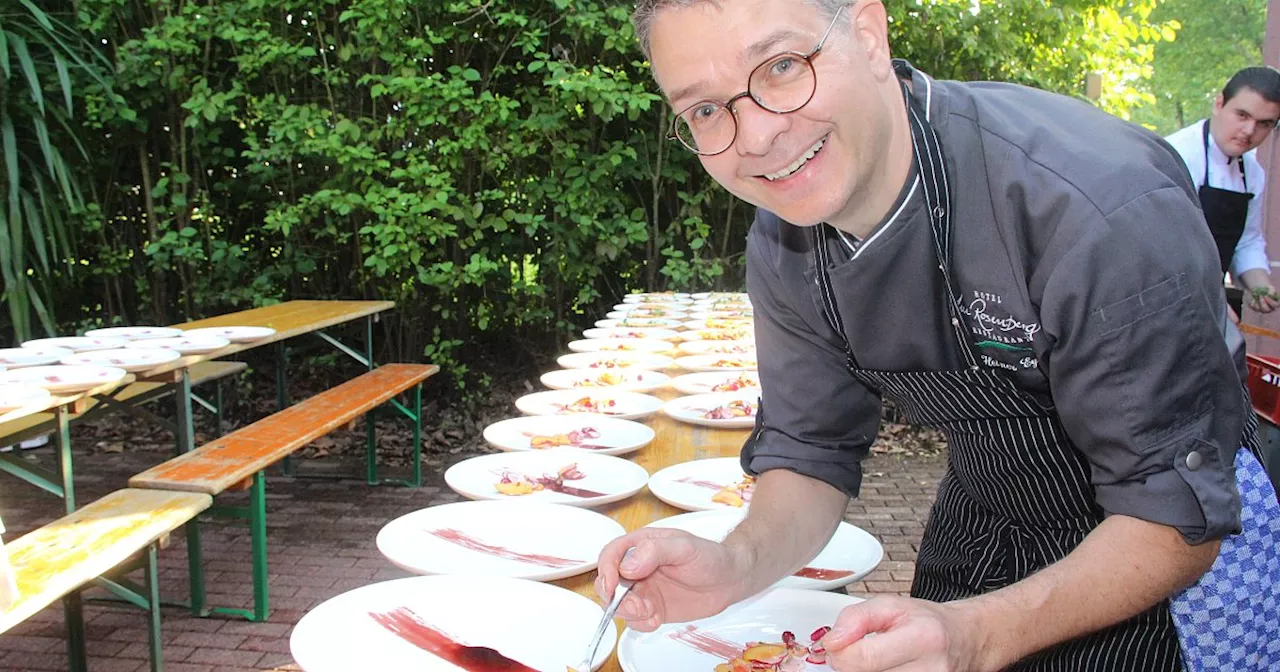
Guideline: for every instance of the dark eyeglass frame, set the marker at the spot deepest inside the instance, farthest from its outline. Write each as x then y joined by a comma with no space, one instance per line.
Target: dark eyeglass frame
728,104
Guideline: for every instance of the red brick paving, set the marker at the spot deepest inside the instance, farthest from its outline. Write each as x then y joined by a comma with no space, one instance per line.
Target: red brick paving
320,540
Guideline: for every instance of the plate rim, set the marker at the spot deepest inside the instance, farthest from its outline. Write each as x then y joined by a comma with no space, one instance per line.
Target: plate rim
682,505
402,586
629,638
550,574
584,503
589,417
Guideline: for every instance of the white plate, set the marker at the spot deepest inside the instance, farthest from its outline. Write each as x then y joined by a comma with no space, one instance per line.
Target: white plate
14,396
542,626
762,618
632,380
690,485
76,343
743,324
610,478
640,322
651,305
611,403
658,297
693,409
743,333
621,345
132,360
723,314
233,334
525,540
647,313
707,382
134,333
721,347
59,379
186,345
851,554
16,358
633,332
716,296
615,360
717,362
611,435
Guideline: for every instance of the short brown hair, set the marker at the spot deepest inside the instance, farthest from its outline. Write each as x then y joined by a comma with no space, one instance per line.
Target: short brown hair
642,18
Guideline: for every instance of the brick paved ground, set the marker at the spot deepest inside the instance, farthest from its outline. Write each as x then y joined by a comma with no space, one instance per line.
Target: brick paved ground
321,544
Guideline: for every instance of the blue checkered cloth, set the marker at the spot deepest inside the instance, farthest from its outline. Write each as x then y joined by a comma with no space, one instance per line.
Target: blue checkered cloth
1230,619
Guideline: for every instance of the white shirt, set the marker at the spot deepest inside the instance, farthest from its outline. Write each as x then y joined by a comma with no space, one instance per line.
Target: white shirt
1251,251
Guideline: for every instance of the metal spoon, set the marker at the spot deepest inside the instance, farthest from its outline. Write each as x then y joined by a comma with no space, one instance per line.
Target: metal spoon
620,591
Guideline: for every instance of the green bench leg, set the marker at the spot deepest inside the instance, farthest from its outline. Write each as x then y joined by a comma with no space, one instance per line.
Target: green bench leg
370,449
63,439
153,608
195,568
73,613
258,537
417,435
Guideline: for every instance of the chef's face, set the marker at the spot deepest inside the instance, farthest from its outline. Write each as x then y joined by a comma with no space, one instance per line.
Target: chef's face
1242,123
809,165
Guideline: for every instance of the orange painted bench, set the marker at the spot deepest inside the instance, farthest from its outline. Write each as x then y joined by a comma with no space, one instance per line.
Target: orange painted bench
57,561
242,456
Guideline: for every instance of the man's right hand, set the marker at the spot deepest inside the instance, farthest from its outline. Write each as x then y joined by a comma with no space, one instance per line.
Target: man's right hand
679,577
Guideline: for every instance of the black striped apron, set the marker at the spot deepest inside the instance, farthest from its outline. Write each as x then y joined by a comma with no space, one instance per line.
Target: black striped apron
1016,495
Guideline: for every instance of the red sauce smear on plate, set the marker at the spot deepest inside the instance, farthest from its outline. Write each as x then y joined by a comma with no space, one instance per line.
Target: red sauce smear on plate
706,642
474,544
574,492
406,625
822,574
704,484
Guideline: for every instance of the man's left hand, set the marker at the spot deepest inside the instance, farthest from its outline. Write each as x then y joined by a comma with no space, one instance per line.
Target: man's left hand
1263,299
898,633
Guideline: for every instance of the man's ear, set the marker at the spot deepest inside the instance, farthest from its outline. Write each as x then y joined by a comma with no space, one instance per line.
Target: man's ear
869,25
1218,103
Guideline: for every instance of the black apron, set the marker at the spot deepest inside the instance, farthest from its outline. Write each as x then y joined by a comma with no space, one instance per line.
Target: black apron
1226,211
1016,496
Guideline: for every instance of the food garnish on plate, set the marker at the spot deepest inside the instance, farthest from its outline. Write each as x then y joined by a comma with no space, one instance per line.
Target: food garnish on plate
516,484
589,405
738,408
734,384
576,438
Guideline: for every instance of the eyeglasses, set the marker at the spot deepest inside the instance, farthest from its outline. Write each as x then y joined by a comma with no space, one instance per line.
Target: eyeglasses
784,83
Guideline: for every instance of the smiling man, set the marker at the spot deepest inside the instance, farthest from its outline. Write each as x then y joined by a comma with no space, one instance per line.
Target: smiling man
1025,273
1219,153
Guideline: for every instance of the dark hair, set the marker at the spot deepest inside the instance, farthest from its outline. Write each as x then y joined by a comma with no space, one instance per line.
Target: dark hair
1262,79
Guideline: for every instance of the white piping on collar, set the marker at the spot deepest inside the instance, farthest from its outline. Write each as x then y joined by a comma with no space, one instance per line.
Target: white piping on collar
860,247
893,219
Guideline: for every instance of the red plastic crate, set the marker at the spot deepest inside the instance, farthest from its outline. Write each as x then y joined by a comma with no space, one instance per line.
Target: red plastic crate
1264,386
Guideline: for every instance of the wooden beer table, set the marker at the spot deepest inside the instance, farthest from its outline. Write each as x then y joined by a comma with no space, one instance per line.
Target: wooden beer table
675,442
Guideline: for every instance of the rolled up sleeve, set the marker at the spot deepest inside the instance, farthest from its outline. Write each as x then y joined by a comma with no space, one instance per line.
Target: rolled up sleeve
1141,376
815,418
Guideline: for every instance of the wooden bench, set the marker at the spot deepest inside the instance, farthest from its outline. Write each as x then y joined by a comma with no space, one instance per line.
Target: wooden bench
240,458
60,559
135,394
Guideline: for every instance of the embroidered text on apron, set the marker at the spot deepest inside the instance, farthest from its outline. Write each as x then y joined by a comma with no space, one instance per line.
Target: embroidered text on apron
1224,210
1016,496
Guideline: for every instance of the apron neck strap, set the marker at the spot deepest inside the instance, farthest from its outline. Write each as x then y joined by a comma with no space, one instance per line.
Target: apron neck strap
931,164
1205,135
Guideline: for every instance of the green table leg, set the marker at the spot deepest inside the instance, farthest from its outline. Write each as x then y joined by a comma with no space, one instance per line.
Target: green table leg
282,398
371,439
153,609
77,659
63,439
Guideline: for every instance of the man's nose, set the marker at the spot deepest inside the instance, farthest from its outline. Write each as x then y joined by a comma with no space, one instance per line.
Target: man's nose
758,128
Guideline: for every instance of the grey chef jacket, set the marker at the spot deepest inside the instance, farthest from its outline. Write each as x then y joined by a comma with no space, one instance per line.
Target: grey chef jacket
1086,273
